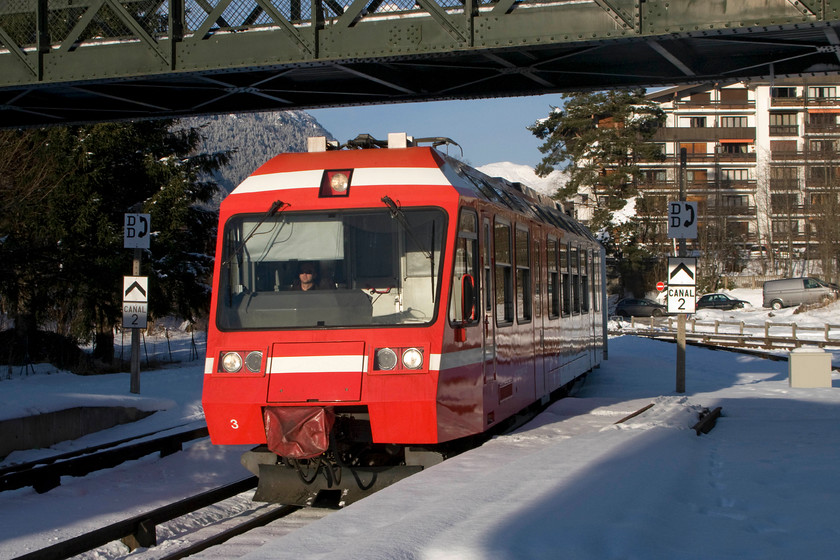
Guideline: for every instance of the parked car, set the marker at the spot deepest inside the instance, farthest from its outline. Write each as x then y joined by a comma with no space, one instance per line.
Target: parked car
633,307
795,291
720,301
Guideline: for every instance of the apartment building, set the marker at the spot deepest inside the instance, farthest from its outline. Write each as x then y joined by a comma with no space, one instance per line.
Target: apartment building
761,160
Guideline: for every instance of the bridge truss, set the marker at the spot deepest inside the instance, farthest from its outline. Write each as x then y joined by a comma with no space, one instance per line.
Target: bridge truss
65,61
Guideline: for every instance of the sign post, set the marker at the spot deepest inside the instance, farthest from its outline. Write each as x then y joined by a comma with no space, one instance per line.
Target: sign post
136,235
682,225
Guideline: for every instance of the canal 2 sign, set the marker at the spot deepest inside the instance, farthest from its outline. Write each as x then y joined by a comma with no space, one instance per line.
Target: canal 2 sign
682,275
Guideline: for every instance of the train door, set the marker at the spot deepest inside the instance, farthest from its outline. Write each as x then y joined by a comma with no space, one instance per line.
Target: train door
489,342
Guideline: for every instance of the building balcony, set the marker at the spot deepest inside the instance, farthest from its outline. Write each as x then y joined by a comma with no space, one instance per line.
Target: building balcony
710,159
730,211
793,210
787,101
784,184
787,155
784,130
712,104
822,128
704,134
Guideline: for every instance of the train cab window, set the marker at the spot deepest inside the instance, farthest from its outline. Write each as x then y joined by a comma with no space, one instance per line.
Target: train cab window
523,276
463,303
503,274
375,267
567,280
553,294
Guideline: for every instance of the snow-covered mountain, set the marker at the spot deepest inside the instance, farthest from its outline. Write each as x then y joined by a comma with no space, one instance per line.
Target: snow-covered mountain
525,174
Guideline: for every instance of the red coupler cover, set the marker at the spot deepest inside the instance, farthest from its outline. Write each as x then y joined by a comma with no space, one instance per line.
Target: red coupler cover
298,432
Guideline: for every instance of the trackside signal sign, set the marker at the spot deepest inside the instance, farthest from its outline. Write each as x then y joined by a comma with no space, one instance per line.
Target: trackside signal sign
682,281
135,301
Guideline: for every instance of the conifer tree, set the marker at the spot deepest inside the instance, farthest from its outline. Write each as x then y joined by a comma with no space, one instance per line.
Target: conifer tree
598,139
63,236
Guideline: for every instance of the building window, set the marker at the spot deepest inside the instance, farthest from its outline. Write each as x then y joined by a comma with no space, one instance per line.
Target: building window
822,119
736,201
697,175
822,174
735,174
733,122
735,148
693,122
783,92
694,147
785,226
783,203
822,91
823,146
783,124
821,200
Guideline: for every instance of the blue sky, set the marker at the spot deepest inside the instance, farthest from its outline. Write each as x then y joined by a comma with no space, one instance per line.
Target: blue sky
489,130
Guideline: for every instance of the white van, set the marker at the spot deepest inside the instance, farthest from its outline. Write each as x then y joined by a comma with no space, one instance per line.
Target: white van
795,291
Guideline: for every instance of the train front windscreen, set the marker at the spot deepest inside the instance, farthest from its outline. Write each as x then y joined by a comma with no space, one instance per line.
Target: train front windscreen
330,269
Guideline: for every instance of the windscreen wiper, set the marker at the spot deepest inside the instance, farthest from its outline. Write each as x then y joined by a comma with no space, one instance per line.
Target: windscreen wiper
277,205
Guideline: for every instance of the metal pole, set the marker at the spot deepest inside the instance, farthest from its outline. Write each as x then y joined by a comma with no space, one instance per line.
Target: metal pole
135,334
681,317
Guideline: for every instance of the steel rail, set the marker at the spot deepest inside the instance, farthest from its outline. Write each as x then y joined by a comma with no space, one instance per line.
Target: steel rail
45,474
140,529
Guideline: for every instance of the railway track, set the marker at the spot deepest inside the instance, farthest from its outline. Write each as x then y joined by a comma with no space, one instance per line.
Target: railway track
141,530
45,474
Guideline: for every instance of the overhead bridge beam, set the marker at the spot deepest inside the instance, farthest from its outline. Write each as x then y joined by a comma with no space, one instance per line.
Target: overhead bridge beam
93,60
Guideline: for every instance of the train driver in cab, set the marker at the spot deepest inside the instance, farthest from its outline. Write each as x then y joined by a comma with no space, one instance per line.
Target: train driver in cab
307,277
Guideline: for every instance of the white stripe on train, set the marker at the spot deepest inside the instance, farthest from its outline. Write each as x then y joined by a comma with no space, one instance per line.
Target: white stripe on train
362,177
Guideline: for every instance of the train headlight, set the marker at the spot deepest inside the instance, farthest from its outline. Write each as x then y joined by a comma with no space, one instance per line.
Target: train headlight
412,358
253,361
339,183
231,362
335,183
385,359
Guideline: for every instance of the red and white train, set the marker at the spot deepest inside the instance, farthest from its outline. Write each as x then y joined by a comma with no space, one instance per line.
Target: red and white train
440,303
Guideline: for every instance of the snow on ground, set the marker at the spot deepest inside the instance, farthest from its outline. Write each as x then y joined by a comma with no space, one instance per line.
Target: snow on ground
572,484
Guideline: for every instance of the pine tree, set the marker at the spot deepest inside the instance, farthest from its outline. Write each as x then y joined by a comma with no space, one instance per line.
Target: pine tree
598,139
61,229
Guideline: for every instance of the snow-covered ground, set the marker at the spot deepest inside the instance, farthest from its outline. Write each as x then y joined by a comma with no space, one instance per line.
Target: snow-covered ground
571,484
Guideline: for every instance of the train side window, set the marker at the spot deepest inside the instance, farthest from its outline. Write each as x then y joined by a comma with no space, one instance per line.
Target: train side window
567,280
586,264
553,278
574,267
538,277
503,273
463,302
596,280
523,276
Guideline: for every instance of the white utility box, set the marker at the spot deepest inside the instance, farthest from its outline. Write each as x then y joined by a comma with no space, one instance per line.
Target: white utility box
809,367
